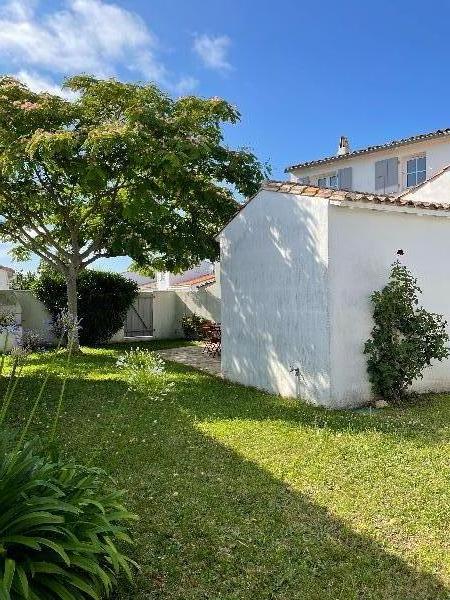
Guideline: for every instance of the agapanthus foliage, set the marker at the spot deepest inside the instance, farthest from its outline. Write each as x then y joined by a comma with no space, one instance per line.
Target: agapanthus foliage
145,372
62,529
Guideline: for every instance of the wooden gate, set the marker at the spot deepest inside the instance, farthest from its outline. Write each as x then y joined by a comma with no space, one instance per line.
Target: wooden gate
139,321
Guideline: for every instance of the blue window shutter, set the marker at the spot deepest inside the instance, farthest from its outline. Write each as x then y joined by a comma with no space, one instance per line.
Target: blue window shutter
392,172
304,180
381,175
345,178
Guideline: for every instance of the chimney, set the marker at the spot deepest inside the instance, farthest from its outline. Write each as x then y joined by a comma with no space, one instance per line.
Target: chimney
344,147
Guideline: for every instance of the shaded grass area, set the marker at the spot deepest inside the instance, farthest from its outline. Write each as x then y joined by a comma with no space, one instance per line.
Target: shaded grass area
245,495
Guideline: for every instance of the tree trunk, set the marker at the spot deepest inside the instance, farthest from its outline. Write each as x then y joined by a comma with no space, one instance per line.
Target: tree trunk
72,306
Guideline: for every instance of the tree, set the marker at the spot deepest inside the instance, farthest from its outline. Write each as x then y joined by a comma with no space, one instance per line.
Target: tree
405,338
123,169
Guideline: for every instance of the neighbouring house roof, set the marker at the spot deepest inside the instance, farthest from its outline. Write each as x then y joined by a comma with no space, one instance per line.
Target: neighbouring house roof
439,133
406,198
141,280
198,281
8,270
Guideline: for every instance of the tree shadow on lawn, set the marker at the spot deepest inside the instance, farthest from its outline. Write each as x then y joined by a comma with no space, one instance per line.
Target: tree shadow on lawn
426,419
212,524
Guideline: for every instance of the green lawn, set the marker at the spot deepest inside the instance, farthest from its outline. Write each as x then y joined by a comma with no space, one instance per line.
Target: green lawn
243,495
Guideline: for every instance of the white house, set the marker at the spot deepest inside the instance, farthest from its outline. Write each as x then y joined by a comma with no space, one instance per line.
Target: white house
6,275
385,169
164,280
299,263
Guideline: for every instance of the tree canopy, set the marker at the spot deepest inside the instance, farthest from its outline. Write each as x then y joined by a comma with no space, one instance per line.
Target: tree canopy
123,169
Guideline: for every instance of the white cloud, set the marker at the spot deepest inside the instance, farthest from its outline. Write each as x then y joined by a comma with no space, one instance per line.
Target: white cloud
185,86
213,51
39,83
85,36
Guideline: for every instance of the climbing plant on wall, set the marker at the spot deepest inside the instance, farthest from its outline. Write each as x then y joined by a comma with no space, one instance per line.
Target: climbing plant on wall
405,338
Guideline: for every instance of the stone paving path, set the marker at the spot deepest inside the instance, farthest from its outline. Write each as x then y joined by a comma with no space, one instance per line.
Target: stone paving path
193,356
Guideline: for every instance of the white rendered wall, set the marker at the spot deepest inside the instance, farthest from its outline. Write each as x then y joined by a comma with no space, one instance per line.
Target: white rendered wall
436,190
274,258
4,279
362,245
363,174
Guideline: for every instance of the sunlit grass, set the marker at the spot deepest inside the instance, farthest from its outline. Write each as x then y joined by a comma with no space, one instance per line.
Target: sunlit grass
246,495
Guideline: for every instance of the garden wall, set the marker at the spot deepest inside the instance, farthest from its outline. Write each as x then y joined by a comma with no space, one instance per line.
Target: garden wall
9,305
34,314
170,306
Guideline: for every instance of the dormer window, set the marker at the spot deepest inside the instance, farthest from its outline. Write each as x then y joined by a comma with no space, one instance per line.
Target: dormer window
416,170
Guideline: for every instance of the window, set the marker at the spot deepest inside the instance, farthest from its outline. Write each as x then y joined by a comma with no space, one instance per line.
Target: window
328,181
416,170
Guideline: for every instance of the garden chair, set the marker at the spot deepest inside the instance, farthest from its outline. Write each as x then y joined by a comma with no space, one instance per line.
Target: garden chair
212,338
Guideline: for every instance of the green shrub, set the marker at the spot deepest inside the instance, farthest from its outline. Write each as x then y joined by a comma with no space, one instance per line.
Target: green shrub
192,326
23,280
103,301
145,372
60,526
405,338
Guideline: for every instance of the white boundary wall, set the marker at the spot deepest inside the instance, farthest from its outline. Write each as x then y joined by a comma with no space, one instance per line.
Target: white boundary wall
170,306
168,309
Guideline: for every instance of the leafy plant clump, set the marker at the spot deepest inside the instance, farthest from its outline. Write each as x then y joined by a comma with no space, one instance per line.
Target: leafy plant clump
405,338
145,372
60,529
192,326
103,301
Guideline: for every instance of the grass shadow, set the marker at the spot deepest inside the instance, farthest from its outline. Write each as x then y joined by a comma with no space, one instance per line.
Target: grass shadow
214,525
426,419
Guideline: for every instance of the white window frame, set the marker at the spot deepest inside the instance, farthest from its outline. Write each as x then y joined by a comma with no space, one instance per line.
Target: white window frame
328,177
406,173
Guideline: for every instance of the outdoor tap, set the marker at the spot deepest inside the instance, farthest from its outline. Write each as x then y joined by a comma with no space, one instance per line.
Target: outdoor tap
296,370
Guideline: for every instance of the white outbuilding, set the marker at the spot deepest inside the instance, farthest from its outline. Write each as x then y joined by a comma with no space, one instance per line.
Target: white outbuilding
298,266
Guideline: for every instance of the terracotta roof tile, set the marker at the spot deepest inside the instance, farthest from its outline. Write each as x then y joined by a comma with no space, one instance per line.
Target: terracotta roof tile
342,195
197,280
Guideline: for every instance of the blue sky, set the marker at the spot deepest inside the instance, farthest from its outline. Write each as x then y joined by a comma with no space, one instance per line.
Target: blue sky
301,73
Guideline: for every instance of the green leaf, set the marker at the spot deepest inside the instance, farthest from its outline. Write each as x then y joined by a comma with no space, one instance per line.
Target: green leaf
23,581
79,583
8,576
60,590
21,540
4,594
56,548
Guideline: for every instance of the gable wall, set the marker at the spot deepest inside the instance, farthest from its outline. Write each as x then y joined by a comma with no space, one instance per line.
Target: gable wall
362,246
274,260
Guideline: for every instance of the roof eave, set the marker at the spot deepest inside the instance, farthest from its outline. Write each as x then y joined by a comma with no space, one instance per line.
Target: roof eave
370,150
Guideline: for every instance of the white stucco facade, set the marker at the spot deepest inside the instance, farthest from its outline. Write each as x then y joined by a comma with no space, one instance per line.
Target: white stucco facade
436,151
297,273
274,305
363,243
